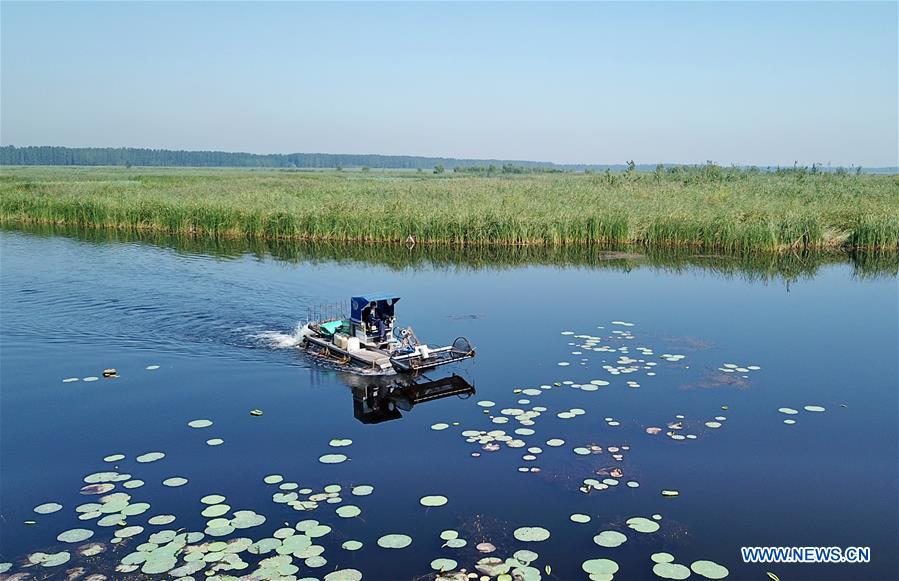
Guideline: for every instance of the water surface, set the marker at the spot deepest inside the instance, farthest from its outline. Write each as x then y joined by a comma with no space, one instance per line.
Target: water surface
220,325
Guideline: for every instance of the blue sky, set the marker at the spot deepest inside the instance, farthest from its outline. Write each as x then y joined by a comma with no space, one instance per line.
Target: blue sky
749,83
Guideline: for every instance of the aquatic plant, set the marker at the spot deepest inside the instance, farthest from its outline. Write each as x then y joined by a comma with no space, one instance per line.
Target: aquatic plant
751,211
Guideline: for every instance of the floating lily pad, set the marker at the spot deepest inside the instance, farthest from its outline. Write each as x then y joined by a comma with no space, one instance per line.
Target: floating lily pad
174,481
610,539
150,457
439,426
199,423
394,541
273,479
215,441
344,575
127,532
351,545
443,564
662,557
580,518
670,493
600,567
114,458
215,510
671,571
814,408
136,483
531,534
435,500
555,442
713,424
348,511
213,499
47,508
75,535
151,367
340,443
789,422
642,525
709,569
161,519
332,458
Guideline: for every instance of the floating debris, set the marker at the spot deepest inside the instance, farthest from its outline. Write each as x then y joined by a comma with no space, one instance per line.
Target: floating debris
151,367
110,372
256,412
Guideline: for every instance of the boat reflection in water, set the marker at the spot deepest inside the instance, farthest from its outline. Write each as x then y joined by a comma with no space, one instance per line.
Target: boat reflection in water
380,399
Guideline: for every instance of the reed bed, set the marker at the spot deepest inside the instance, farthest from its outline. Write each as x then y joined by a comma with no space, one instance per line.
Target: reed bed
735,211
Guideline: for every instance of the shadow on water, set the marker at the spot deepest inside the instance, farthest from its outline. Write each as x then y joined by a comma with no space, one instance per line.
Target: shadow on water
760,266
380,399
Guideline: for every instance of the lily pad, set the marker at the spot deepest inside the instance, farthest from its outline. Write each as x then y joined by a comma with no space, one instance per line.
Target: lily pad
600,567
215,510
642,525
75,535
394,541
362,490
199,423
174,481
344,575
215,441
213,499
150,457
814,408
332,458
555,442
579,518
273,479
340,443
348,511
443,564
709,569
161,519
531,534
662,557
610,539
48,508
435,500
114,458
351,545
439,426
671,571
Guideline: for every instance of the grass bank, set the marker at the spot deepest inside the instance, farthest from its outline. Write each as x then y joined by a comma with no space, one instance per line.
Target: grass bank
707,207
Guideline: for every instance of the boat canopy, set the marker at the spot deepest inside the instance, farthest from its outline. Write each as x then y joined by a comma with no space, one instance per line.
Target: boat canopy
383,301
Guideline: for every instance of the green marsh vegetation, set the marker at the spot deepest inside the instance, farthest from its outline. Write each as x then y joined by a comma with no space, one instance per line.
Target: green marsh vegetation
705,207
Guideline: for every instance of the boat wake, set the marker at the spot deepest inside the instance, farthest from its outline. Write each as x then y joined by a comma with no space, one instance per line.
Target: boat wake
279,340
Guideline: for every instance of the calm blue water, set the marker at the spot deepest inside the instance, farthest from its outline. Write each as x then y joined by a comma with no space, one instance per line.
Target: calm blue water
217,329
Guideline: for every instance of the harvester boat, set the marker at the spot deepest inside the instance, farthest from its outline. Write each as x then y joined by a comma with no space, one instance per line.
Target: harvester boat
370,342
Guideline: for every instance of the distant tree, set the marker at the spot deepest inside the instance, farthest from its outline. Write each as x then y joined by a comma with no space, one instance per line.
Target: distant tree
439,168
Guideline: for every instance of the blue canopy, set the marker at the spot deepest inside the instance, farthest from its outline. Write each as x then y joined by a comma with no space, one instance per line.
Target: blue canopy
384,303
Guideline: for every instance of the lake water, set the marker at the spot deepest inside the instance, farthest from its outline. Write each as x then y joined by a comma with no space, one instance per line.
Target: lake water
220,325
